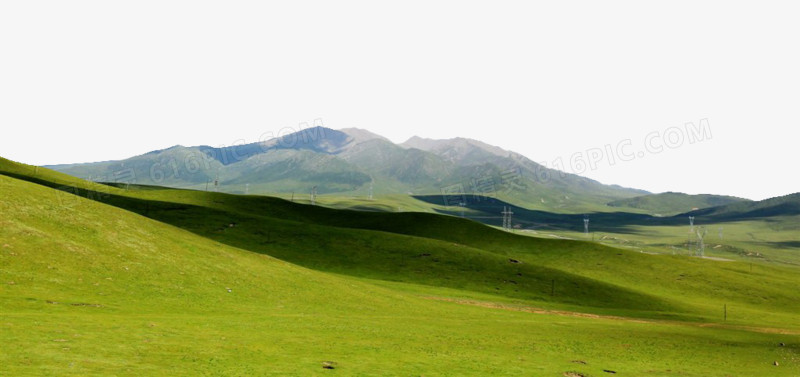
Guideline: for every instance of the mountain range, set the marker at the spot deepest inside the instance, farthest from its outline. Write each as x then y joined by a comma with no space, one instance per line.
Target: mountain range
358,163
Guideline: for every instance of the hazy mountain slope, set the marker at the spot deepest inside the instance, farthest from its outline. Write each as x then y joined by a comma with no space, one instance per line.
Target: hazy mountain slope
301,169
788,205
520,179
360,135
461,151
413,169
176,166
351,161
672,203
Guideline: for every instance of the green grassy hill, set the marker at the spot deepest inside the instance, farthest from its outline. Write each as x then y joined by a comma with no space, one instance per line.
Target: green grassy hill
173,282
787,205
673,203
324,239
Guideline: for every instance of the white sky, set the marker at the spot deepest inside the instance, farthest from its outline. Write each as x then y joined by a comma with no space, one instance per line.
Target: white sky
97,80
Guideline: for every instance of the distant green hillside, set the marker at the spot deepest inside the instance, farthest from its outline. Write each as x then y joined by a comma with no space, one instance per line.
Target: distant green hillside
788,205
673,203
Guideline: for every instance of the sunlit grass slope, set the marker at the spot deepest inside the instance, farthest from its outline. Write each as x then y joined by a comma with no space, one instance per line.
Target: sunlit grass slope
90,289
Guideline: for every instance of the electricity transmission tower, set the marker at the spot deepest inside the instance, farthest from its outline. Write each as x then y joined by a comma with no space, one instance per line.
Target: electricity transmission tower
586,225
691,233
314,196
370,190
701,246
507,218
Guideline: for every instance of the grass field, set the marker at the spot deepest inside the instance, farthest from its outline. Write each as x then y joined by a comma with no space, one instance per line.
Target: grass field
773,239
757,241
173,282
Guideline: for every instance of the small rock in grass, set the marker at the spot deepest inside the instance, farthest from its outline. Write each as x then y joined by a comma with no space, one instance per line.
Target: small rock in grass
328,365
775,363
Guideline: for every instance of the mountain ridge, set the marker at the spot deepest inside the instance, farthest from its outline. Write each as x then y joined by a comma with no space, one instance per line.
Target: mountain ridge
356,162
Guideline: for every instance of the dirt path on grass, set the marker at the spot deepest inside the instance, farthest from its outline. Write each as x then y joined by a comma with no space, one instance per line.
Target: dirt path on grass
565,313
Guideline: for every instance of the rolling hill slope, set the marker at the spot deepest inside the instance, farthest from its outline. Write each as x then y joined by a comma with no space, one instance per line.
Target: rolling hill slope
787,205
314,237
89,287
446,251
112,293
